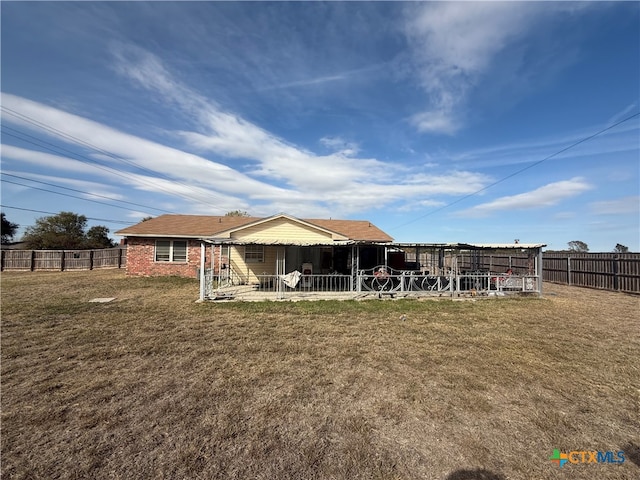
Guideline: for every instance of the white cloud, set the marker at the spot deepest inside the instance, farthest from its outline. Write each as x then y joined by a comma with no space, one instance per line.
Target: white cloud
339,178
454,44
128,150
620,206
265,173
545,196
340,145
621,139
88,188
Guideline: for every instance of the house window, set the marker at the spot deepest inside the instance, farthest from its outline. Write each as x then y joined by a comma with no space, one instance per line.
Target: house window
254,254
171,251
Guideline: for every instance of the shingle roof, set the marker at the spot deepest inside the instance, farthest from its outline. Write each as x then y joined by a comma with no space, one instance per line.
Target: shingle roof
199,226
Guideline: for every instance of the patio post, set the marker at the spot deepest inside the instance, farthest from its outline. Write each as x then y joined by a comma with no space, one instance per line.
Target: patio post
203,250
539,270
357,264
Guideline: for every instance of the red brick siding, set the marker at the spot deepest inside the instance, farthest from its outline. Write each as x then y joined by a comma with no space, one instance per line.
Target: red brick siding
141,259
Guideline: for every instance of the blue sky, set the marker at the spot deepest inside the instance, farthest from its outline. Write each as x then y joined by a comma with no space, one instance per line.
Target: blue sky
438,122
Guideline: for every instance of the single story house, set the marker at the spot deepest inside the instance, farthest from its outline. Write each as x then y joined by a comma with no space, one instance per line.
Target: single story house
249,247
284,255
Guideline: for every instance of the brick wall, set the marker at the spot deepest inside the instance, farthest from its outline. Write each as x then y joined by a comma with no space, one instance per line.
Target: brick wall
141,259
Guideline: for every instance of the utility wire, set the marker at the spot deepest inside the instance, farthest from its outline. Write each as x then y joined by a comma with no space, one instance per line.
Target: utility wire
54,213
63,151
517,172
86,193
76,156
66,195
71,138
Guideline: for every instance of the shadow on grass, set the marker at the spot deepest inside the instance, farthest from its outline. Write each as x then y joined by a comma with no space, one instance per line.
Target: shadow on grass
476,474
632,452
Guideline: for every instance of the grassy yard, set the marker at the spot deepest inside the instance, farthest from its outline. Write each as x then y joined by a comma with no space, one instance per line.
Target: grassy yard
154,385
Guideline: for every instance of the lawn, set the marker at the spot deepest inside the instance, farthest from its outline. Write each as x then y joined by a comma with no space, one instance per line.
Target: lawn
155,385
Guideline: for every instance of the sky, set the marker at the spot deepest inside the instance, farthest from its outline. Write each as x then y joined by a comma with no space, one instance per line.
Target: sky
436,121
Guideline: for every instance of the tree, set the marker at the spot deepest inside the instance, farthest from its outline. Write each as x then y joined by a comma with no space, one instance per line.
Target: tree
98,237
578,246
237,213
621,248
9,229
65,230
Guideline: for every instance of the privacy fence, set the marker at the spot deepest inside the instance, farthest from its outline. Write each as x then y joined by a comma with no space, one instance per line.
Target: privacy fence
608,271
63,260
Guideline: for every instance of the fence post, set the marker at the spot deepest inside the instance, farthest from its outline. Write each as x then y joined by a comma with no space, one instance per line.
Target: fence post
568,270
62,260
616,279
32,267
91,260
119,257
2,254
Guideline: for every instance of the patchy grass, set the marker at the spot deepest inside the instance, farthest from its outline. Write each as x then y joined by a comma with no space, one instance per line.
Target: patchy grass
154,385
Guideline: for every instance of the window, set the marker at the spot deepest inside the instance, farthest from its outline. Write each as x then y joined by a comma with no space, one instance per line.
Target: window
171,250
254,254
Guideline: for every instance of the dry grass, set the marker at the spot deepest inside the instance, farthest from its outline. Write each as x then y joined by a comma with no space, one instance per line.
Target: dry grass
154,385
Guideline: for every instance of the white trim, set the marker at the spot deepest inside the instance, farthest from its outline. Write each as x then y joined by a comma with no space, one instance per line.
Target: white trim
334,235
171,251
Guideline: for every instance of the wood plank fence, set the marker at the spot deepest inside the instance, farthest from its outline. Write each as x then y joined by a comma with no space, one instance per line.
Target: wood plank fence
63,260
608,271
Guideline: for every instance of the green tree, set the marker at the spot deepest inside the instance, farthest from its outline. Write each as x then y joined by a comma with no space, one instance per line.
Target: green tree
66,230
9,229
621,248
578,246
98,237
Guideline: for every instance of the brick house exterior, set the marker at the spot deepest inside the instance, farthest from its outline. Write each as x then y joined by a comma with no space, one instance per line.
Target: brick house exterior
141,259
145,239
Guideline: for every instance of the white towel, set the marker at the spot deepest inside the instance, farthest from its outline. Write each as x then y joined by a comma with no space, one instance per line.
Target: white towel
291,279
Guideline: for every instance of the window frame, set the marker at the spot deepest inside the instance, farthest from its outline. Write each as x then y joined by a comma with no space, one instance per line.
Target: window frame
174,251
254,256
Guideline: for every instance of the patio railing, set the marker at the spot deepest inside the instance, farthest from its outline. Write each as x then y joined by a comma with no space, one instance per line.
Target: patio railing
376,281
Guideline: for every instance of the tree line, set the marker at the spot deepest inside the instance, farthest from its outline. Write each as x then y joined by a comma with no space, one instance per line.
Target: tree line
64,231
578,246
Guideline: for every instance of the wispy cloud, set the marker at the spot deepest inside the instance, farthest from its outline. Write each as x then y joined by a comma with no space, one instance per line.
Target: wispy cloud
454,44
321,185
339,178
623,138
545,196
619,206
347,75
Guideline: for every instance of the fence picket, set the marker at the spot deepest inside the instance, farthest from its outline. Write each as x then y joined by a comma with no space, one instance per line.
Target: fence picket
63,260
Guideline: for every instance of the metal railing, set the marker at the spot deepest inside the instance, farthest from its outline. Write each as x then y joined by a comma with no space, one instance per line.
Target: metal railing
379,280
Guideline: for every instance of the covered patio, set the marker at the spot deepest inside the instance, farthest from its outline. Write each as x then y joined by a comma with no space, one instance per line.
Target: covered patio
350,269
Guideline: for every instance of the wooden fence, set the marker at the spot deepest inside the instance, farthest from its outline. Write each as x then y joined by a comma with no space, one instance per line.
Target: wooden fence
63,260
608,271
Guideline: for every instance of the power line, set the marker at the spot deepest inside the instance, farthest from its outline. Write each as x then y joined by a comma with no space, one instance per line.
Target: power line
63,151
58,150
66,195
86,193
54,213
77,140
517,172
